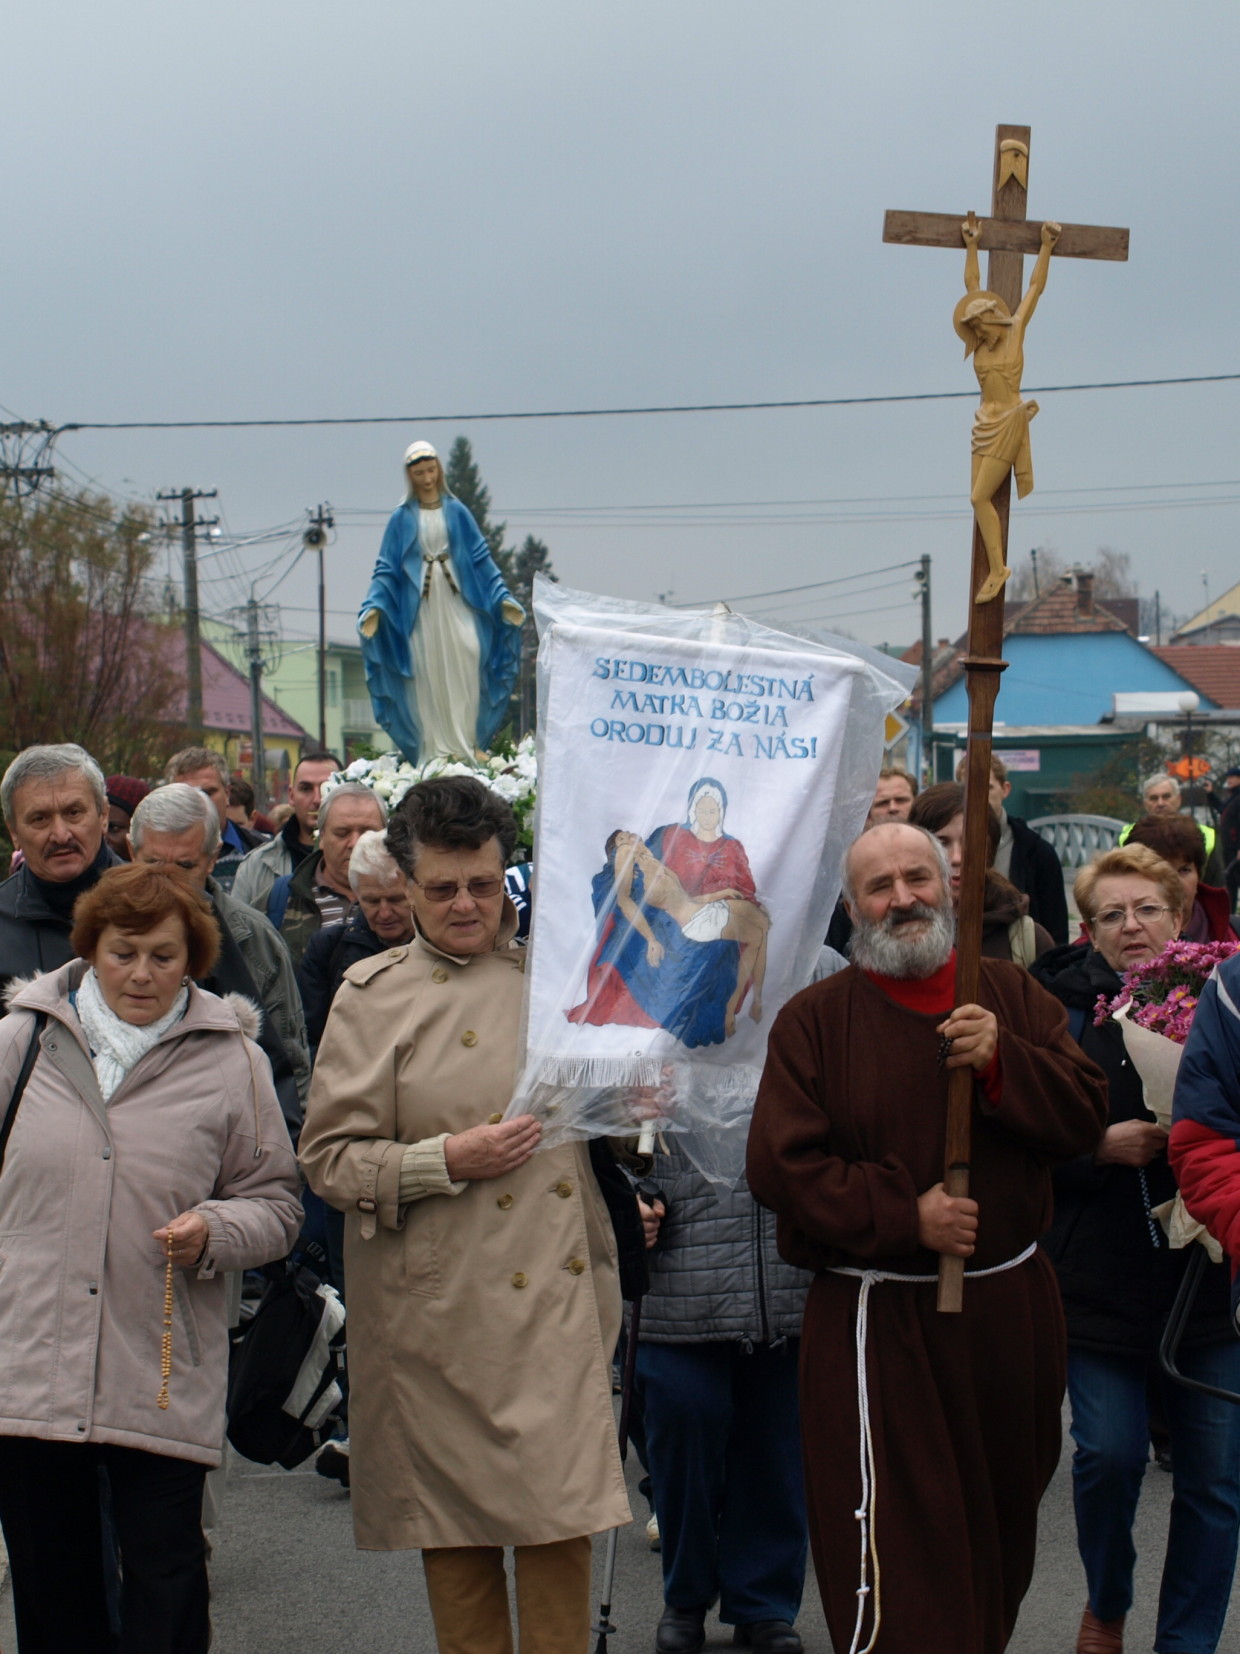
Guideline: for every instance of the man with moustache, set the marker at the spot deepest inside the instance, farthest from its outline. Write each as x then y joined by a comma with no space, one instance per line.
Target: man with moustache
56,810
932,1468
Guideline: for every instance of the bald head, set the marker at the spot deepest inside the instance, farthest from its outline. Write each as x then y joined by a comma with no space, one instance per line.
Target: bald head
890,851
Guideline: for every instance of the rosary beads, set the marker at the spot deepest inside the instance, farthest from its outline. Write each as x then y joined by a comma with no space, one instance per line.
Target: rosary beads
165,1353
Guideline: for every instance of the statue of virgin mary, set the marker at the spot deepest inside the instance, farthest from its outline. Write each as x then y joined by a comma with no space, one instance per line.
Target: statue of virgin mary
441,633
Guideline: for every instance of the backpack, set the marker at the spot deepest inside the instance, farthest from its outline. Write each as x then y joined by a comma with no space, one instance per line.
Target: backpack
277,899
283,1369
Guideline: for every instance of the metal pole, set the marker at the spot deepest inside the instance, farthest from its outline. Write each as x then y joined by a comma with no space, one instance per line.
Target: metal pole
258,768
315,539
322,654
927,675
1033,559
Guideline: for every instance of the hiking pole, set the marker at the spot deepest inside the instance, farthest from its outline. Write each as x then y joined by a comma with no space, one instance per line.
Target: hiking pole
604,1627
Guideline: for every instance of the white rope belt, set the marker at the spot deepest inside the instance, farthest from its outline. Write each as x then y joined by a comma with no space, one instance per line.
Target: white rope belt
866,1514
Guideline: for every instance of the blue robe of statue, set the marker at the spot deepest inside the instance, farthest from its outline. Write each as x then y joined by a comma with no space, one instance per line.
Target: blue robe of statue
396,592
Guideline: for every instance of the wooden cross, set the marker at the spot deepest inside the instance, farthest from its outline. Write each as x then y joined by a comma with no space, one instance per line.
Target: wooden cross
1007,237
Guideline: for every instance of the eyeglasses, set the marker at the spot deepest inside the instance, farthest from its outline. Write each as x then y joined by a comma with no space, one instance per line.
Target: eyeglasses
1146,915
479,889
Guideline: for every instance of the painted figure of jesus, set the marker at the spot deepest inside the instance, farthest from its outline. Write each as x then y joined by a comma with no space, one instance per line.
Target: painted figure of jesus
995,339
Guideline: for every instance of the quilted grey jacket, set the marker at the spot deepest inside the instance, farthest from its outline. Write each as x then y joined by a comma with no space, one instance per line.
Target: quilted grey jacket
715,1275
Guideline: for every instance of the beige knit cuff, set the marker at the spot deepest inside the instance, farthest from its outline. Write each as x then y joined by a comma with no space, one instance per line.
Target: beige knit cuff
424,1171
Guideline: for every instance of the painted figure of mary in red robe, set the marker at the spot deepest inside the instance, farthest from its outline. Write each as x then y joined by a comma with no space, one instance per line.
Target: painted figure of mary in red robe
682,936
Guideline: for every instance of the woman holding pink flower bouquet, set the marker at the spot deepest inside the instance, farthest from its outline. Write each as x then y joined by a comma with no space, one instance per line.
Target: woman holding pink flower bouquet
1118,1277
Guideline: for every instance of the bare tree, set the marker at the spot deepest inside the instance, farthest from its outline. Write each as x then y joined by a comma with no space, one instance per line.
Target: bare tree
83,655
1050,569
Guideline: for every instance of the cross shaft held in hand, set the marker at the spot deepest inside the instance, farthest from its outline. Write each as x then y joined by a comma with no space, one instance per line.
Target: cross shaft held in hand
1007,237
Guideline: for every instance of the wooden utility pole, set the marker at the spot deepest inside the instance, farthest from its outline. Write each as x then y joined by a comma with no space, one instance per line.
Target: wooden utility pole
258,757
190,522
1007,237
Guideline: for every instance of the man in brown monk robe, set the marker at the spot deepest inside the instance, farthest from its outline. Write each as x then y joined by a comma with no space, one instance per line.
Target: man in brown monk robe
923,1481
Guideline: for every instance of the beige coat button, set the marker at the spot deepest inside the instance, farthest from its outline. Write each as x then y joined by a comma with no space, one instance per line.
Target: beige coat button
563,1190
576,1266
494,1119
503,1202
396,953
519,1279
469,1038
439,974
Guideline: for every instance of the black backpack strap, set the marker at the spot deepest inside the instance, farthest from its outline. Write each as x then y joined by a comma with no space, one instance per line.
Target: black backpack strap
27,1068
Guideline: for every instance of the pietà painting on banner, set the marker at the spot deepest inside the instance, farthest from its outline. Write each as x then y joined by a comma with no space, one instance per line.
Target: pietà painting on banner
699,778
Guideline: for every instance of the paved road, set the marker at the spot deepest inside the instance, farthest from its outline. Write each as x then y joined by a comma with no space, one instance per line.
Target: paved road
287,1580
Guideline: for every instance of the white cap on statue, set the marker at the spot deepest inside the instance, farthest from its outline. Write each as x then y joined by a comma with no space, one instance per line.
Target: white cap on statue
419,450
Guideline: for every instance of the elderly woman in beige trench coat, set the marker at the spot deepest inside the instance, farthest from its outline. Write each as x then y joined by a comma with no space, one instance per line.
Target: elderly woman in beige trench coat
483,1297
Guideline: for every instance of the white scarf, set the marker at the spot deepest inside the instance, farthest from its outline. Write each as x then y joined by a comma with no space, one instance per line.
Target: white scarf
115,1045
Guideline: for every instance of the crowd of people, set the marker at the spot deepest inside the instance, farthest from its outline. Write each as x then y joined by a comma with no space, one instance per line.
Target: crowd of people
229,1038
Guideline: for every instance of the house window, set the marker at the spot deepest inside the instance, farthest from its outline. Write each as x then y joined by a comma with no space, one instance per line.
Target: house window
333,688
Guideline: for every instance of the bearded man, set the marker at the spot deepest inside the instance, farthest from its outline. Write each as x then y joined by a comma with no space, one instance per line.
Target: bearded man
932,1469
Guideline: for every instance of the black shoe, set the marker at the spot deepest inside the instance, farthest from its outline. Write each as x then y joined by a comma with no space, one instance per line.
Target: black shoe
333,1462
768,1637
681,1631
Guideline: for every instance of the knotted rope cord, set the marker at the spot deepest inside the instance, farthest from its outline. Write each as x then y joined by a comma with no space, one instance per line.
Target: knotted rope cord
444,557
867,1512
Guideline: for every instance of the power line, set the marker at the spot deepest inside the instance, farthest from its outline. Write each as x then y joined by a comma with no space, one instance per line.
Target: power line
814,585
609,413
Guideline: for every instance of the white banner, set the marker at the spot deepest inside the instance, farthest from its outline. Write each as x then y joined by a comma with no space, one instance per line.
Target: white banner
699,779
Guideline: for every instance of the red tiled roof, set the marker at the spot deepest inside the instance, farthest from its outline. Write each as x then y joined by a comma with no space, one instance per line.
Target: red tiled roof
225,694
1213,669
1056,611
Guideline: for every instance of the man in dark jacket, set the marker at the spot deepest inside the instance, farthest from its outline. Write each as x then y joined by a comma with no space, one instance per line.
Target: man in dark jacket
1026,859
56,810
717,1365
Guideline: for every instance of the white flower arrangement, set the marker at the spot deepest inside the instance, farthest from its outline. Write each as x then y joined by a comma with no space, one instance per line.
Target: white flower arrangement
513,775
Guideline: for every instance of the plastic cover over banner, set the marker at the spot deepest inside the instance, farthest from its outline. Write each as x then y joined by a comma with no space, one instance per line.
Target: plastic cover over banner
700,776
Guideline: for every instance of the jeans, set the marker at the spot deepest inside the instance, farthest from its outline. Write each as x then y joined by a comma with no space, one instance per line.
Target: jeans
723,1446
1111,1429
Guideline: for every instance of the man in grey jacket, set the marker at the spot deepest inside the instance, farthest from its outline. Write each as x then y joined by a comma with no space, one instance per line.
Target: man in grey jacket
179,826
717,1369
295,840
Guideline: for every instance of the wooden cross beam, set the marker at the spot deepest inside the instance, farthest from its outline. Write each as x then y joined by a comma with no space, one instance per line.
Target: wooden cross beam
1007,237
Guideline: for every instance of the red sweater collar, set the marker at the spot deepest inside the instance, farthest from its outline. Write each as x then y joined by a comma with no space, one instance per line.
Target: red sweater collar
930,995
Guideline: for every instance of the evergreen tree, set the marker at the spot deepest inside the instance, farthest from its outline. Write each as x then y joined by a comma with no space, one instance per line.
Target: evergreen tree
518,567
533,558
465,481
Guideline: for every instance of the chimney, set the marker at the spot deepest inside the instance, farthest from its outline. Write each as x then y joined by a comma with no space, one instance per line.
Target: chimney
1084,592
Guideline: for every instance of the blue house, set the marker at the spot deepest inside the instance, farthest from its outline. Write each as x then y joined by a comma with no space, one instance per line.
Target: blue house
1067,656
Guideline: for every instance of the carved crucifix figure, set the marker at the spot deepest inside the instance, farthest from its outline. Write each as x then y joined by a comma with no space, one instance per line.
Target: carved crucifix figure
1007,237
995,339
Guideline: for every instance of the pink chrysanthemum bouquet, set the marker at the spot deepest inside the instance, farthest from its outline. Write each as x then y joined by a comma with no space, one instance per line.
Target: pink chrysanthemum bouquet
1164,991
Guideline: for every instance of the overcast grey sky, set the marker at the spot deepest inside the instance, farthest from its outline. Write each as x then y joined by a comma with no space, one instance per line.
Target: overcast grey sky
268,210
